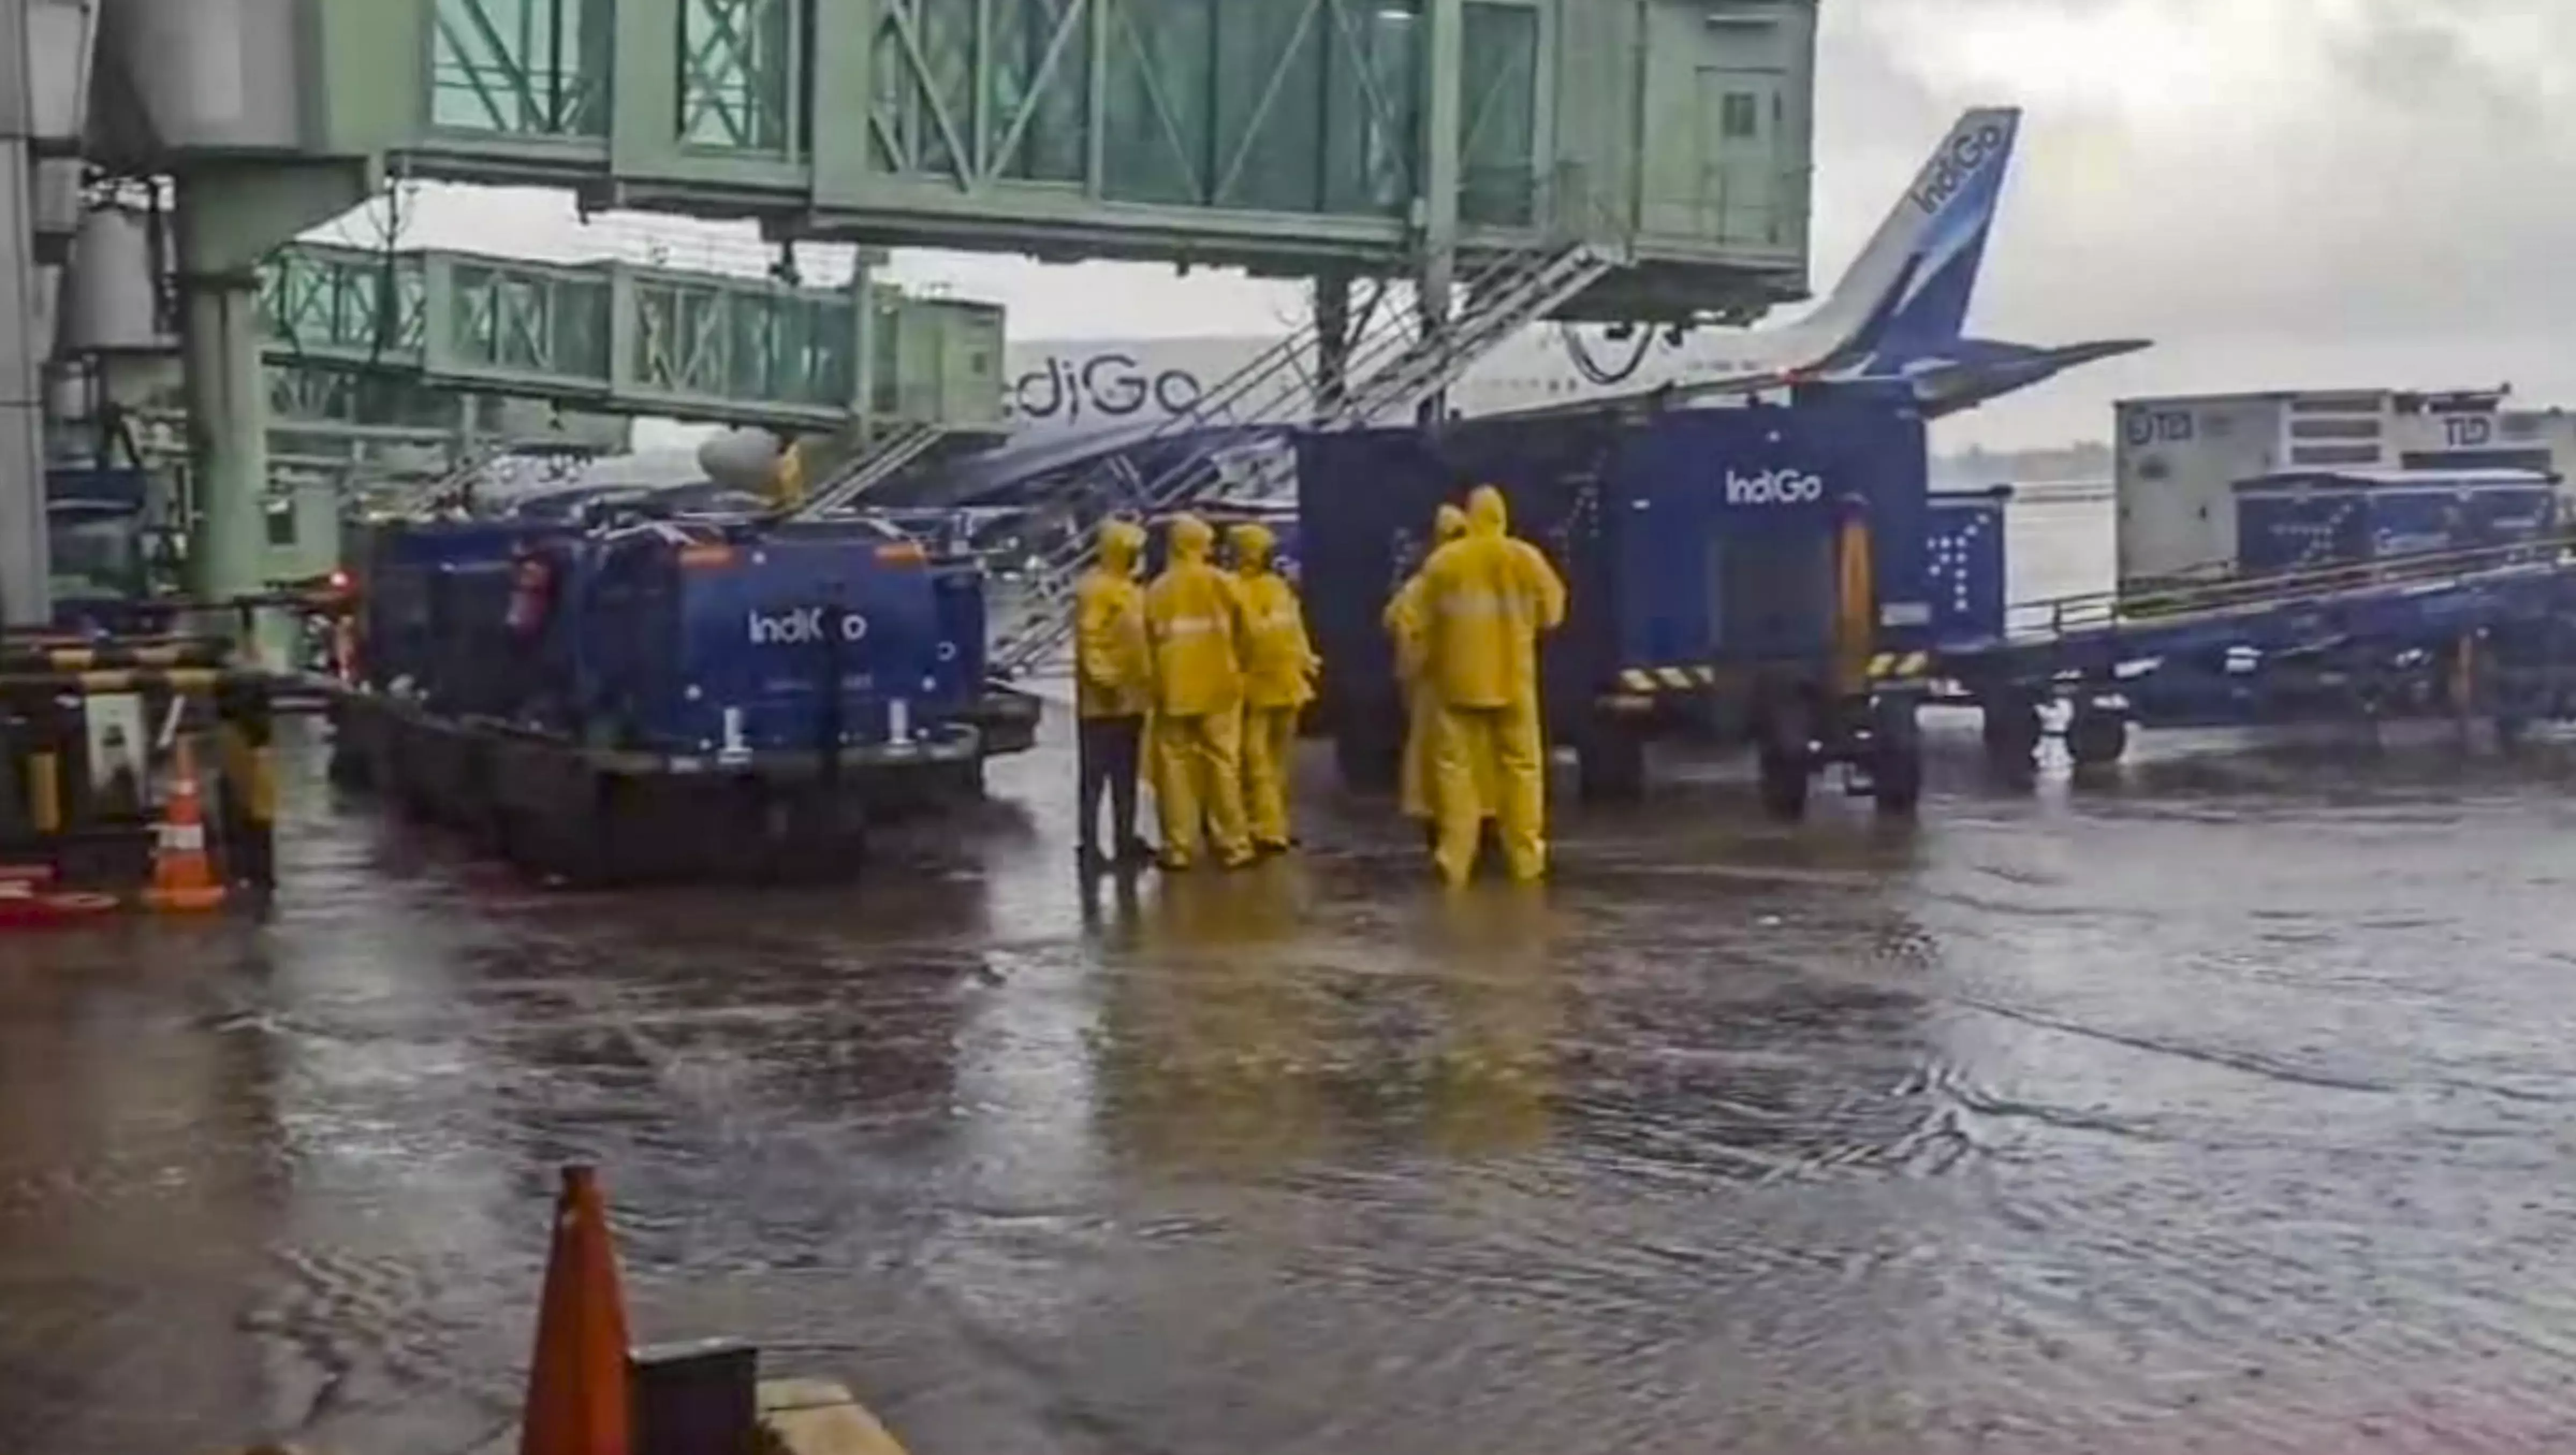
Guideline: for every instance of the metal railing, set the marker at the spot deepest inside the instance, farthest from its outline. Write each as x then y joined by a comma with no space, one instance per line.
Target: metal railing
1395,367
881,461
2033,622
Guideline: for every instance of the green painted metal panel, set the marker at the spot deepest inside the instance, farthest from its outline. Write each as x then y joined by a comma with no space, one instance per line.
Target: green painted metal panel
521,68
1285,135
638,340
372,57
1498,120
738,64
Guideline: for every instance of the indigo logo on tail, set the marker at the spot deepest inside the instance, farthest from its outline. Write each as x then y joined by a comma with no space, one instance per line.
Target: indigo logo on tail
1774,487
1955,164
801,626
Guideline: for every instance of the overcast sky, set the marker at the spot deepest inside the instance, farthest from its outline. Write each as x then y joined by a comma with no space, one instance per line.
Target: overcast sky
2283,193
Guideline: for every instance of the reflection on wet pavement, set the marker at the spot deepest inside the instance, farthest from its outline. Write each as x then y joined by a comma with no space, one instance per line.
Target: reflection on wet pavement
2217,1106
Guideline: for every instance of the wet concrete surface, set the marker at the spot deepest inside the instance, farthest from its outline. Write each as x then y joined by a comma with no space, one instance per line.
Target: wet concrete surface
2219,1105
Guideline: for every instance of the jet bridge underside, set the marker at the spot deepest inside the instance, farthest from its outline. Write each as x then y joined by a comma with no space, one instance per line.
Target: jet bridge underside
1287,136
1044,474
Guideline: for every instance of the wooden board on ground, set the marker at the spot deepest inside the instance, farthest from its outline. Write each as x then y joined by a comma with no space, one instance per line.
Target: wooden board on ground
822,1417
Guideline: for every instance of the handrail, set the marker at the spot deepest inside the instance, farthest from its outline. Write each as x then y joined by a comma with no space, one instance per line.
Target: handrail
2095,610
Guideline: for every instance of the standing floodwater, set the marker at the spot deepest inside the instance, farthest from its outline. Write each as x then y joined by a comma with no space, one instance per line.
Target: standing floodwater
2217,1106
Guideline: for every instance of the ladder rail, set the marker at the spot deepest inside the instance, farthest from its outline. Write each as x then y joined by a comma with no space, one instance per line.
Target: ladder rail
873,467
2057,617
1379,344
1505,296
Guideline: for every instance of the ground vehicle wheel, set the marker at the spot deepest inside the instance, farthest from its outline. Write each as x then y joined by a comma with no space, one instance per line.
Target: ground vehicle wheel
2012,731
1612,763
2096,737
1896,756
1369,763
1785,759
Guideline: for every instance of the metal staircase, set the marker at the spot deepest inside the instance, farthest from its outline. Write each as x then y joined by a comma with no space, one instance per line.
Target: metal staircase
881,461
469,468
1393,368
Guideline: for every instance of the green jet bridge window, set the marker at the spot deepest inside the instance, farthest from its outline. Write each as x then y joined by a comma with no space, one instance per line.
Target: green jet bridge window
536,68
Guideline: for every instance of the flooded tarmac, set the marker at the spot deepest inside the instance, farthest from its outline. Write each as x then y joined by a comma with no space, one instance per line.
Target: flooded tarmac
2221,1105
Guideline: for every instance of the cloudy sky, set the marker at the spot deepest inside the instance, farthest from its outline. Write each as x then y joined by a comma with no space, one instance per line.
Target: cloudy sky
2283,193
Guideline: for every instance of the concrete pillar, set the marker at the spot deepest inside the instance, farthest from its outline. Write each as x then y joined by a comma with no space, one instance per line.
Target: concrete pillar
227,407
26,568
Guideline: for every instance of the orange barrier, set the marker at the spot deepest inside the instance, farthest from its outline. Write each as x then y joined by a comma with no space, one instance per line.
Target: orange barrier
578,1400
183,878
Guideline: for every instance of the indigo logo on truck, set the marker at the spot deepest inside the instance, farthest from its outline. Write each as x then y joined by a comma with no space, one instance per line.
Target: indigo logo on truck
1774,487
802,626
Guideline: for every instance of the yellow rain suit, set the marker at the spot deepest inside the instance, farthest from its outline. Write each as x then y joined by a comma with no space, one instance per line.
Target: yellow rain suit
1404,623
1194,619
1113,690
1114,672
1279,666
1486,598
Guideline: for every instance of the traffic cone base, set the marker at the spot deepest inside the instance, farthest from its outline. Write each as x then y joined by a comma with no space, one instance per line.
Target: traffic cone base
183,878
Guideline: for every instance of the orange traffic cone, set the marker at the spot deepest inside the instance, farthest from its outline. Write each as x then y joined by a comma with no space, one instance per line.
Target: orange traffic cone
577,1395
183,878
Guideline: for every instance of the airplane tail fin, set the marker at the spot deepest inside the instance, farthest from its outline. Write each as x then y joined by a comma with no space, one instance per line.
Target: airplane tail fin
1911,287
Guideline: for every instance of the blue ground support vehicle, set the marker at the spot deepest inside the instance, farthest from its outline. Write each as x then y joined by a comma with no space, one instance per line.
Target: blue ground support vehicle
665,700
2330,618
1758,574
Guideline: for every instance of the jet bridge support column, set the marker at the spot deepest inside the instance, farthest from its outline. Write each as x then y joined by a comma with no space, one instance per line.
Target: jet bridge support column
1332,341
230,216
26,586
227,405
1441,126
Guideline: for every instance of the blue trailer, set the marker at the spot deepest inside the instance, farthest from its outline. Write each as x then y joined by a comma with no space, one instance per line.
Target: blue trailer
1759,574
2354,597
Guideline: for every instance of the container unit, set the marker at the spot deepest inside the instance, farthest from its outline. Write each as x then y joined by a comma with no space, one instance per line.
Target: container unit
2177,460
702,641
1709,555
666,701
431,595
2308,520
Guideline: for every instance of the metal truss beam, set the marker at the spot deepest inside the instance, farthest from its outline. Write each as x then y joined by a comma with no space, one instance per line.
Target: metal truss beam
1289,136
618,338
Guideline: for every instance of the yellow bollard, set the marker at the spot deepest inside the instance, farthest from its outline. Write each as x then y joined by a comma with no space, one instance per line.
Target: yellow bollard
45,791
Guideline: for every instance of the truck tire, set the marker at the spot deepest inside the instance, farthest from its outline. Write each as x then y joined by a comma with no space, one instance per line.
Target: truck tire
2096,737
1611,763
1896,754
1783,759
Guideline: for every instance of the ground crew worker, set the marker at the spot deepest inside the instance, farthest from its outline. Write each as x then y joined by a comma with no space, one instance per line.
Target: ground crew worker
1486,597
1193,619
1113,691
1404,625
1279,666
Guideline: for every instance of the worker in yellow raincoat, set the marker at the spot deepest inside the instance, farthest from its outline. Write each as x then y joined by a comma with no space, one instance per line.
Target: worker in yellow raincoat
1404,625
1113,692
1486,598
1279,666
1194,621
